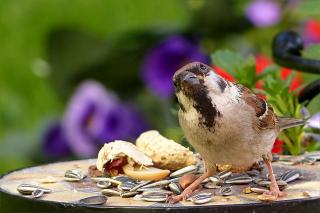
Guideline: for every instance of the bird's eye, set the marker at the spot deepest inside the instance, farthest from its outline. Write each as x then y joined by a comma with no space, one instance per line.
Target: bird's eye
202,67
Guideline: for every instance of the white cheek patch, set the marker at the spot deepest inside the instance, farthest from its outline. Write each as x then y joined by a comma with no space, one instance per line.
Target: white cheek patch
210,81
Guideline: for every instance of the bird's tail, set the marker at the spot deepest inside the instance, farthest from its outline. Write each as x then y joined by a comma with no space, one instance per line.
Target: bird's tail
285,122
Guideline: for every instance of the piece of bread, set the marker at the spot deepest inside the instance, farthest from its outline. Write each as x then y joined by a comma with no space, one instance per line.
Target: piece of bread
165,153
114,150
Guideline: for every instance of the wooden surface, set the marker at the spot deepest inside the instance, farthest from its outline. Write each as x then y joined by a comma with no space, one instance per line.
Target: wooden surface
67,194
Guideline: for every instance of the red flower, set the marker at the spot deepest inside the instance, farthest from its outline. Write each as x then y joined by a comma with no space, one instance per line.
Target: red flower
277,147
312,31
223,73
296,81
261,63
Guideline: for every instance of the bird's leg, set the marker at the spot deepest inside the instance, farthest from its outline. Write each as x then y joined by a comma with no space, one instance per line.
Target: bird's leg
210,170
274,188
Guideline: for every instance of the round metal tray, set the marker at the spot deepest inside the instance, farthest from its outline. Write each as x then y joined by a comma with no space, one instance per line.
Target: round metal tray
302,195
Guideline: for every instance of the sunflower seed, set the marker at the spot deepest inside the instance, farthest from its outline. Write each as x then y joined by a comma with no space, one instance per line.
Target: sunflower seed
37,193
225,191
137,197
216,180
157,192
200,195
253,173
112,181
94,200
256,180
185,170
239,180
308,160
27,189
275,157
264,183
125,180
154,198
201,198
258,190
126,186
291,176
128,194
160,183
282,184
224,174
141,184
175,188
103,184
211,185
110,192
313,156
149,189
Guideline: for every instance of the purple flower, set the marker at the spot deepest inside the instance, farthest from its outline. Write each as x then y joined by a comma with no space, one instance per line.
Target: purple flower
314,121
94,117
263,13
164,59
55,143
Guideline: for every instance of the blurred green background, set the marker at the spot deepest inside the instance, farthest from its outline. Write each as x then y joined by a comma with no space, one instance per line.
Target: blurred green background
48,47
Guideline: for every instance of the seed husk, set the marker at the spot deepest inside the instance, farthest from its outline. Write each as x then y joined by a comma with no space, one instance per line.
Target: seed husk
27,189
175,188
185,170
37,193
154,198
264,183
73,175
291,176
239,180
94,200
161,183
103,184
128,194
160,192
110,192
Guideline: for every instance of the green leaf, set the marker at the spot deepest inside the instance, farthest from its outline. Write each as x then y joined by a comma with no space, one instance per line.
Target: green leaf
243,69
312,51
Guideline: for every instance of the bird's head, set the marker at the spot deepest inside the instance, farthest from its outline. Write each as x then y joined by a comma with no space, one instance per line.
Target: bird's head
197,86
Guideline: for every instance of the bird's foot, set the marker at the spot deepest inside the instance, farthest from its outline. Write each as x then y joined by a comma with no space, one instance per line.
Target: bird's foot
183,196
275,192
272,195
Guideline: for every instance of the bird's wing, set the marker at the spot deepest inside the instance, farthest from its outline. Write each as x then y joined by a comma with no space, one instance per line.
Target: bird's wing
264,117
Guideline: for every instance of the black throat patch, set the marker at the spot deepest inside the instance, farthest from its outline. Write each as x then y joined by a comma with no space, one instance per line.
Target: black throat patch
203,104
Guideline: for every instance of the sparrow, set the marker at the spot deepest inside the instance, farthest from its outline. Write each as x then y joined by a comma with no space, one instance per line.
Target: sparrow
226,123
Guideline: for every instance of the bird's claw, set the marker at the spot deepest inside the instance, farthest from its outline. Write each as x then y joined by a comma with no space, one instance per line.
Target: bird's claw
275,193
183,196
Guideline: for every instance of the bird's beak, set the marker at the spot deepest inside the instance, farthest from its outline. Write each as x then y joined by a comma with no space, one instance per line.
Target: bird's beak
189,79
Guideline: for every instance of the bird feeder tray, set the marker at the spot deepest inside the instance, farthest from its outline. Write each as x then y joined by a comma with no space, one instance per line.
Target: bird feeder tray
302,195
